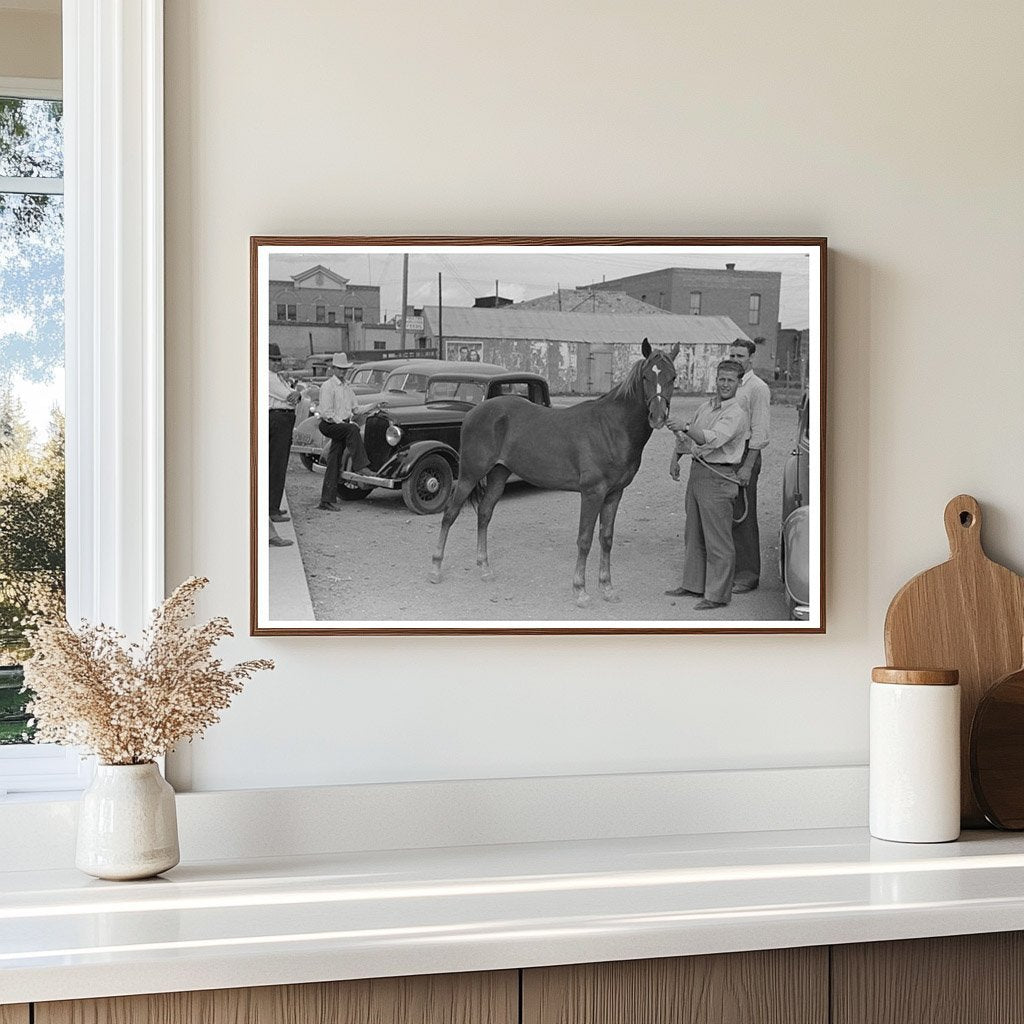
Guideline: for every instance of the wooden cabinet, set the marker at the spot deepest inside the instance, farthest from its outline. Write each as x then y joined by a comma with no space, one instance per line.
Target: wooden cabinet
967,979
962,979
481,998
777,986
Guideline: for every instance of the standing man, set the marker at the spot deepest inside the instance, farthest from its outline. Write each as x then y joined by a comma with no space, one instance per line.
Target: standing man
716,439
283,400
338,406
754,395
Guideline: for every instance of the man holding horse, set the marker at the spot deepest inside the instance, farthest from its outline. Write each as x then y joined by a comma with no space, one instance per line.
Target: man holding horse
755,396
716,438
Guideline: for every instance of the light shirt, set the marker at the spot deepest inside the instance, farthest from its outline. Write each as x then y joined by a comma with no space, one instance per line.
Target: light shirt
755,396
279,392
726,428
338,401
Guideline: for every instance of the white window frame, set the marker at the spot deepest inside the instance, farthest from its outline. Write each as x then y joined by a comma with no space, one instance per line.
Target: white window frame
114,345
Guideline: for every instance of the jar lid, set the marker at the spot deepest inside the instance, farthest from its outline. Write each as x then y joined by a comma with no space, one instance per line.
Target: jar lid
916,676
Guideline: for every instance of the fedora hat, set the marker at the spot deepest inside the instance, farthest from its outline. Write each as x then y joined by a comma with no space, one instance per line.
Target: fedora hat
274,350
341,361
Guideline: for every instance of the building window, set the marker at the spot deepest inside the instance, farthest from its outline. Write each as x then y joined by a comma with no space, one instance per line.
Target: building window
755,309
379,346
695,303
358,311
32,539
321,314
347,310
280,311
422,342
331,317
292,314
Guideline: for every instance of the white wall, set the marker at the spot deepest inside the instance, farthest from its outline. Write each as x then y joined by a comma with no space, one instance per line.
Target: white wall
895,129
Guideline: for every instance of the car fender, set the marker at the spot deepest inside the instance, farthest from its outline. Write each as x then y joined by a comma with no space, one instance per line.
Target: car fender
400,465
796,532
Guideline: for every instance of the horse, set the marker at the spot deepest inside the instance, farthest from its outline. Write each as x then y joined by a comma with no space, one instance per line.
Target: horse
593,447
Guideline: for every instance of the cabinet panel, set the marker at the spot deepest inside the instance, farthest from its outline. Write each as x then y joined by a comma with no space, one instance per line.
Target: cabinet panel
481,998
778,986
14,1014
962,979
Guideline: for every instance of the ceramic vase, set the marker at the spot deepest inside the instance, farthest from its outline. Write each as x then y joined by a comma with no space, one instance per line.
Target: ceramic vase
127,825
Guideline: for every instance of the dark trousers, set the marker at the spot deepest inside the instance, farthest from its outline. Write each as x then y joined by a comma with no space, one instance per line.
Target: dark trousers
344,437
746,535
282,423
710,555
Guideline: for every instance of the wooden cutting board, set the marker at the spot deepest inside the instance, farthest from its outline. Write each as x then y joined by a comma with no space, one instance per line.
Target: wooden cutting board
967,614
997,752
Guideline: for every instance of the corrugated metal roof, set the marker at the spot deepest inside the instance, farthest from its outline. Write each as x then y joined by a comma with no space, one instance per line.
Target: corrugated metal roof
595,328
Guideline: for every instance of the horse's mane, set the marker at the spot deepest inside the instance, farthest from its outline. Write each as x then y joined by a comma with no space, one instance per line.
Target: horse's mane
632,387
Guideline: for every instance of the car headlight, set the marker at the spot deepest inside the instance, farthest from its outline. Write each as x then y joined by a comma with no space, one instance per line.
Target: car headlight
393,435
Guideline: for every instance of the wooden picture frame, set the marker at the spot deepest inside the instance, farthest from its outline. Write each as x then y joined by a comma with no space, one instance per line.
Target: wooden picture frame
531,329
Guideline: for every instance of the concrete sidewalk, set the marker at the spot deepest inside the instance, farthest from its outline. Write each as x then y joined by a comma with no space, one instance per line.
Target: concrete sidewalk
289,592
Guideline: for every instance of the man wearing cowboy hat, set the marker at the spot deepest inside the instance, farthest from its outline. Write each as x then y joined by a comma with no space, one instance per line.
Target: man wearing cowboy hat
338,408
283,400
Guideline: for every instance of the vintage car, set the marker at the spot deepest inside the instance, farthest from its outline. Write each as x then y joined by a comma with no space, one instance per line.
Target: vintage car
415,449
794,543
368,378
408,384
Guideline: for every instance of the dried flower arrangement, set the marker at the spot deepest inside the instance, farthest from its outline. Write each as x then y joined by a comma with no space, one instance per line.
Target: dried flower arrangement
129,704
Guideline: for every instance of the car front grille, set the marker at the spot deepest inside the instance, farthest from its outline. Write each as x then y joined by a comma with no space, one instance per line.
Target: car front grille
378,451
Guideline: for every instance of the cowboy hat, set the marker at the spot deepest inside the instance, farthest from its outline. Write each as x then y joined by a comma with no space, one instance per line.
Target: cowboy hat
341,361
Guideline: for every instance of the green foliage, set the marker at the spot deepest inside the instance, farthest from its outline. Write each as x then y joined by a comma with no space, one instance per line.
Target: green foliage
31,525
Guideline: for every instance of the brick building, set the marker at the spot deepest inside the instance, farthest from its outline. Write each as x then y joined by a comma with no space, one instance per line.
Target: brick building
750,298
315,311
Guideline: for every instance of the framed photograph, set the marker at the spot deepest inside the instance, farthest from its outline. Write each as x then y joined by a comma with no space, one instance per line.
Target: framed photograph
537,435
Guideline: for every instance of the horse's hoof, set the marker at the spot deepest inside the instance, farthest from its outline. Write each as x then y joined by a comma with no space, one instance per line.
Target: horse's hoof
434,576
611,595
582,599
486,574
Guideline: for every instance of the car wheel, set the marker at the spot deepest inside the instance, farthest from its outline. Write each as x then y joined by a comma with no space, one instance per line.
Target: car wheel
308,461
352,492
427,488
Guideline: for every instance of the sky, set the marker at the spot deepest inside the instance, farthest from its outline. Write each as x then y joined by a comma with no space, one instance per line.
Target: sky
466,275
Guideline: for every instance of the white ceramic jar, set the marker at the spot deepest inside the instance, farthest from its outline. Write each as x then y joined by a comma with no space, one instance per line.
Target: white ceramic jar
915,755
127,823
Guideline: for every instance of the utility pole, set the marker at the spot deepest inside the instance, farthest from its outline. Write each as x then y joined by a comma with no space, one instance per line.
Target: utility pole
558,288
405,296
495,294
440,314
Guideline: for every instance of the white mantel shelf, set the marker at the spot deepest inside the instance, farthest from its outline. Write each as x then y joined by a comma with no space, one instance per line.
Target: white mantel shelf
225,924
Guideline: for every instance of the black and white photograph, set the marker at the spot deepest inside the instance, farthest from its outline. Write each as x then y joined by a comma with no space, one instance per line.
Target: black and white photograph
474,435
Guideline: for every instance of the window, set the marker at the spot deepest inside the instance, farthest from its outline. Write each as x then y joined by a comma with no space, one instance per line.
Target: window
32,552
695,303
331,317
421,342
321,314
380,346
292,315
347,310
358,311
281,311
755,309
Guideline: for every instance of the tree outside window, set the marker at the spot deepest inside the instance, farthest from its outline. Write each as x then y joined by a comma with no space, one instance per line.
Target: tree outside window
32,542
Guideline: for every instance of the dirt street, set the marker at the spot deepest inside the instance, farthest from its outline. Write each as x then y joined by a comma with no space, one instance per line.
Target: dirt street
370,560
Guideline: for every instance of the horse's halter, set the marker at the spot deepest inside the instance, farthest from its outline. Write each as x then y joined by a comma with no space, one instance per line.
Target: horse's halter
659,376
